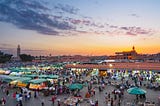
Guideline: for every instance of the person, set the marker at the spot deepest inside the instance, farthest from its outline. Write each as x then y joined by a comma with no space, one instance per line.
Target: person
35,94
109,95
119,102
87,95
7,92
29,94
20,100
38,90
92,103
3,101
100,89
119,95
144,96
25,97
14,95
17,97
20,103
53,99
94,92
111,101
103,86
59,102
137,97
115,96
42,103
96,104
76,103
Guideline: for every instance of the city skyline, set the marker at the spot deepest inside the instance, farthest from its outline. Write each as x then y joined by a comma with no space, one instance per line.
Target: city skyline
85,27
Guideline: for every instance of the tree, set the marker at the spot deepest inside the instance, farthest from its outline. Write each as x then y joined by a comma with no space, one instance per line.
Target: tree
26,58
5,57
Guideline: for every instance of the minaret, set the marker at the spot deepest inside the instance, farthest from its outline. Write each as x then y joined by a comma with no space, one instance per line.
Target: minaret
133,48
18,51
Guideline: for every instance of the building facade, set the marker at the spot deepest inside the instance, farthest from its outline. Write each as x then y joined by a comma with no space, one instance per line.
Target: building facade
126,55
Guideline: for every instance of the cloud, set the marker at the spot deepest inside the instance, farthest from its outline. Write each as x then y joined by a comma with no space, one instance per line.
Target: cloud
38,17
67,8
25,16
89,26
113,26
131,33
5,45
34,4
136,31
82,32
124,28
76,21
134,15
58,19
85,22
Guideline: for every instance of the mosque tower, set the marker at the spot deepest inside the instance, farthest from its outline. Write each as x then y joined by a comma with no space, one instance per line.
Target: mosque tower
133,48
18,51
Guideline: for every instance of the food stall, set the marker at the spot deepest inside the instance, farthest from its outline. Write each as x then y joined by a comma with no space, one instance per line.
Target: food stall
38,84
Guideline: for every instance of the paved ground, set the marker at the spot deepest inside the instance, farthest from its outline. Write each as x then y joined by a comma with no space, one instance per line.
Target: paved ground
151,96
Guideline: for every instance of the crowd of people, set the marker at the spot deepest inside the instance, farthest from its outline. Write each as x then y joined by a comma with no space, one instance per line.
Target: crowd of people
92,83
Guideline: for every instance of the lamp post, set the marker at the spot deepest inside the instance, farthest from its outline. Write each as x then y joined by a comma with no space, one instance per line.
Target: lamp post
110,67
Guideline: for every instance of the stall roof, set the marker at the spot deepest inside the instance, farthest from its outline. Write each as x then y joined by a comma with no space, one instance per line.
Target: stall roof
31,75
8,78
37,81
24,79
53,76
49,76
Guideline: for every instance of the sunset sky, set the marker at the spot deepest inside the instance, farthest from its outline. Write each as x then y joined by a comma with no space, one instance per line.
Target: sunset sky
85,27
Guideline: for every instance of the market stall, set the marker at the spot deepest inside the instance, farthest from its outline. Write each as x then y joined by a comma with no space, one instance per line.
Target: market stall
7,78
21,82
38,84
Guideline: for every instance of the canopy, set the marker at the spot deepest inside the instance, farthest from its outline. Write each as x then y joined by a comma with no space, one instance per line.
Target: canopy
31,75
75,86
15,73
21,82
37,81
43,76
95,73
23,79
7,78
14,69
53,76
49,76
38,84
136,91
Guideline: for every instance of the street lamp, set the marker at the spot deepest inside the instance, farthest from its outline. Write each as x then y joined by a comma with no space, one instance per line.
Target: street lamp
110,65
